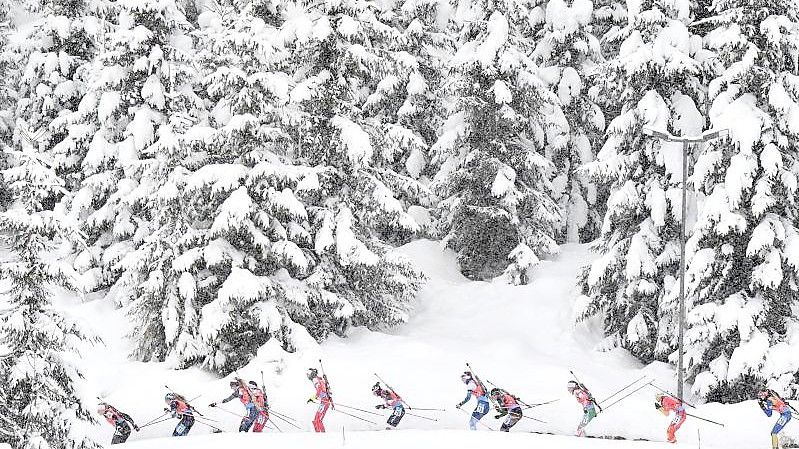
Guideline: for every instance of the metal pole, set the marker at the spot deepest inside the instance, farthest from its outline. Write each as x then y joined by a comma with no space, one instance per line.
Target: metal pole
680,369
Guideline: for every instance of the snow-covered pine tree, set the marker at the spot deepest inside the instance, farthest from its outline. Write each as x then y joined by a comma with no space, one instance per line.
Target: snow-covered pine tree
139,100
744,253
497,212
654,81
56,56
339,51
9,74
249,226
405,106
568,53
38,345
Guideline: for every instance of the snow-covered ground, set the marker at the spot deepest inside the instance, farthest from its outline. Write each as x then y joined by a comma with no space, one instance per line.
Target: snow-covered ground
521,338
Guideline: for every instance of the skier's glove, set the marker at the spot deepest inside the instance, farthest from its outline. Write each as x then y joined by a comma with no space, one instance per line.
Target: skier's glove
378,406
136,428
460,404
310,400
213,404
497,416
658,405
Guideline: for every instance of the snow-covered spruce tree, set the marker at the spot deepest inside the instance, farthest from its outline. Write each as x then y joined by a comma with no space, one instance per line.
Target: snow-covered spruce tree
41,404
9,74
245,216
654,81
744,252
352,212
497,213
139,102
56,56
405,106
568,54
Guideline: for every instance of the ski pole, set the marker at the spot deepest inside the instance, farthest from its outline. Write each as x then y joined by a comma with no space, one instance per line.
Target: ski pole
228,411
356,417
427,409
590,396
534,419
276,427
282,415
627,395
208,425
540,404
360,410
666,392
705,419
478,421
287,422
626,387
154,422
422,417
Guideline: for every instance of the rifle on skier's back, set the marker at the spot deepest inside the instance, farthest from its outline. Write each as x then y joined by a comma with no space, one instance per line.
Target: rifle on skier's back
477,378
327,385
587,391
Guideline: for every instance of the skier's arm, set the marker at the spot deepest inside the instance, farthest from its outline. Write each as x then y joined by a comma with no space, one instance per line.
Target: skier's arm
766,407
468,396
232,396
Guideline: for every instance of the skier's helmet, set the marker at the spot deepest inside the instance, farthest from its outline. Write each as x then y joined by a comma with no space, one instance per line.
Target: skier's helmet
571,386
312,373
762,395
376,390
169,397
234,384
253,384
466,377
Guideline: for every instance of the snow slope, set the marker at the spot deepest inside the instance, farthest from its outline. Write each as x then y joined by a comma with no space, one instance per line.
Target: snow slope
520,337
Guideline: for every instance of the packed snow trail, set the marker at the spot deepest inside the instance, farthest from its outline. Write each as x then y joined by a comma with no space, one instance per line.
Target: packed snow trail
395,439
523,338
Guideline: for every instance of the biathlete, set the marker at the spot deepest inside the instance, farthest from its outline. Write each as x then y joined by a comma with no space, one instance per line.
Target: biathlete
476,389
178,408
589,408
255,404
769,402
665,404
322,395
121,422
392,401
506,404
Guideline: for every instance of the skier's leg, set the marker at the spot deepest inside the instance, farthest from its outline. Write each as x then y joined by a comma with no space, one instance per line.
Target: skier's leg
183,427
513,417
318,424
679,418
247,421
784,418
588,415
477,414
260,421
396,417
121,434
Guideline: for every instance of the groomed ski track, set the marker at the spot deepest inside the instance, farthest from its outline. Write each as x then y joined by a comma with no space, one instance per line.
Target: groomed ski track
394,439
521,337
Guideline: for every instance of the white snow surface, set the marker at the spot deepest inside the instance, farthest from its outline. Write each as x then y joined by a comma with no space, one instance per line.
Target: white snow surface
521,337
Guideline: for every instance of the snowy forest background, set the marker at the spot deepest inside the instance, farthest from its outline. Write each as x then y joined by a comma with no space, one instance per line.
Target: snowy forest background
236,171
